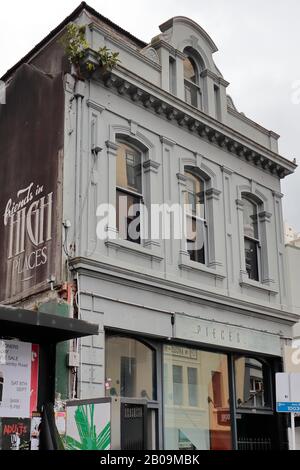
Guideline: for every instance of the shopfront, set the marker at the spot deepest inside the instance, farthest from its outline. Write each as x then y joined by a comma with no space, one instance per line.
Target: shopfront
186,397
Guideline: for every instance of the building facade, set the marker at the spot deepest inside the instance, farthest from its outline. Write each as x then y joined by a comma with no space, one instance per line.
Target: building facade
193,314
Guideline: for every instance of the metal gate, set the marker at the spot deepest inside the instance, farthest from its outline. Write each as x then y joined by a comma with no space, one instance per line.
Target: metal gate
133,426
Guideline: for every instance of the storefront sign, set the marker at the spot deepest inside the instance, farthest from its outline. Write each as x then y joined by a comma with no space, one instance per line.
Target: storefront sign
15,379
224,335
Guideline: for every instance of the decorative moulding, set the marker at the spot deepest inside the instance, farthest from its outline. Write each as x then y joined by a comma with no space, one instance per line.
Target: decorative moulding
197,122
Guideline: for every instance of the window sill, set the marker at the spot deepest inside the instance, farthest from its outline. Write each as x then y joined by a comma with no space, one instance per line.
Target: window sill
266,287
189,265
134,248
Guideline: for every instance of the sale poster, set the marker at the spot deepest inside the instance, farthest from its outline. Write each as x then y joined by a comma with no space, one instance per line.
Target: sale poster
15,379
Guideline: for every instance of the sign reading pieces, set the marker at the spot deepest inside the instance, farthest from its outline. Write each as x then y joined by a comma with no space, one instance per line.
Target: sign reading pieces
219,334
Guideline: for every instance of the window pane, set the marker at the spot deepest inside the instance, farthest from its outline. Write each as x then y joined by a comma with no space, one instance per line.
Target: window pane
192,384
177,385
196,236
194,195
251,258
129,168
129,368
128,216
252,383
197,422
250,219
190,70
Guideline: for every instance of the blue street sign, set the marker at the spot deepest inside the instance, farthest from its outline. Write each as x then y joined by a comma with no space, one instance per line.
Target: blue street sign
288,407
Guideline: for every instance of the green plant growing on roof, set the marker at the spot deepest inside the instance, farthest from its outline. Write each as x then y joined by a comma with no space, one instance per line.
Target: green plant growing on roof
76,46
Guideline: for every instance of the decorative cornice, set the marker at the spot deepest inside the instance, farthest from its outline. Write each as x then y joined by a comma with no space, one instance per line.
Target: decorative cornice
154,283
277,194
227,170
112,147
265,216
195,121
181,178
215,77
239,204
213,193
151,165
167,141
96,106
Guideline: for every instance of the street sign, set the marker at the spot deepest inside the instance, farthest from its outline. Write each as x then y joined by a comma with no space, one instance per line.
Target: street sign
288,397
288,407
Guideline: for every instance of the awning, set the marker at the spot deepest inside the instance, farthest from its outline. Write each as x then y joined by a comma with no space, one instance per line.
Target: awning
37,327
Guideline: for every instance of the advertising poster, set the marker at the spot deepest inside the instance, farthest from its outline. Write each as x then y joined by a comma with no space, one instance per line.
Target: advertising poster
15,379
35,431
34,377
31,156
88,426
15,434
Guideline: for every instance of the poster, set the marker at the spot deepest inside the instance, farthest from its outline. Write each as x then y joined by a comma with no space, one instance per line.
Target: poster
30,197
15,379
15,434
88,425
34,377
35,431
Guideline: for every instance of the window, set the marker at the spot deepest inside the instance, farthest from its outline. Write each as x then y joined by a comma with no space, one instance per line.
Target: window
251,238
195,217
130,367
198,381
192,89
129,192
192,386
252,378
177,385
217,388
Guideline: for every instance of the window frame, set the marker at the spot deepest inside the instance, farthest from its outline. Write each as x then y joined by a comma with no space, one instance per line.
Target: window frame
190,174
255,240
193,86
120,190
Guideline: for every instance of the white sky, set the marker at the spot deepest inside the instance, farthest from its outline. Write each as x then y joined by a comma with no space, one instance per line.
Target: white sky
258,53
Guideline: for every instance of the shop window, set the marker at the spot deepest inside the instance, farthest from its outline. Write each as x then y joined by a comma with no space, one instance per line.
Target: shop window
129,195
129,368
196,225
251,238
192,420
192,79
253,383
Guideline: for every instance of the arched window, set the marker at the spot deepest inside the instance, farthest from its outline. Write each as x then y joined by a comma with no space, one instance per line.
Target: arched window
129,191
195,216
130,368
192,80
251,237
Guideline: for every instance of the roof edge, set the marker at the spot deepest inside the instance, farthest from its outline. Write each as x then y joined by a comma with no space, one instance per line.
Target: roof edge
83,6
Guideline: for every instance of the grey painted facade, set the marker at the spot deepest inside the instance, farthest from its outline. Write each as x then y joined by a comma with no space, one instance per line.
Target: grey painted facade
140,288
153,290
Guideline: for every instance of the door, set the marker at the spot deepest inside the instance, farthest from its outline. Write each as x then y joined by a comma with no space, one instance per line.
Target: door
133,426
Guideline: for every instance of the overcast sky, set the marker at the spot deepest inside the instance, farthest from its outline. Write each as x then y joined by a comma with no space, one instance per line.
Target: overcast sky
258,44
